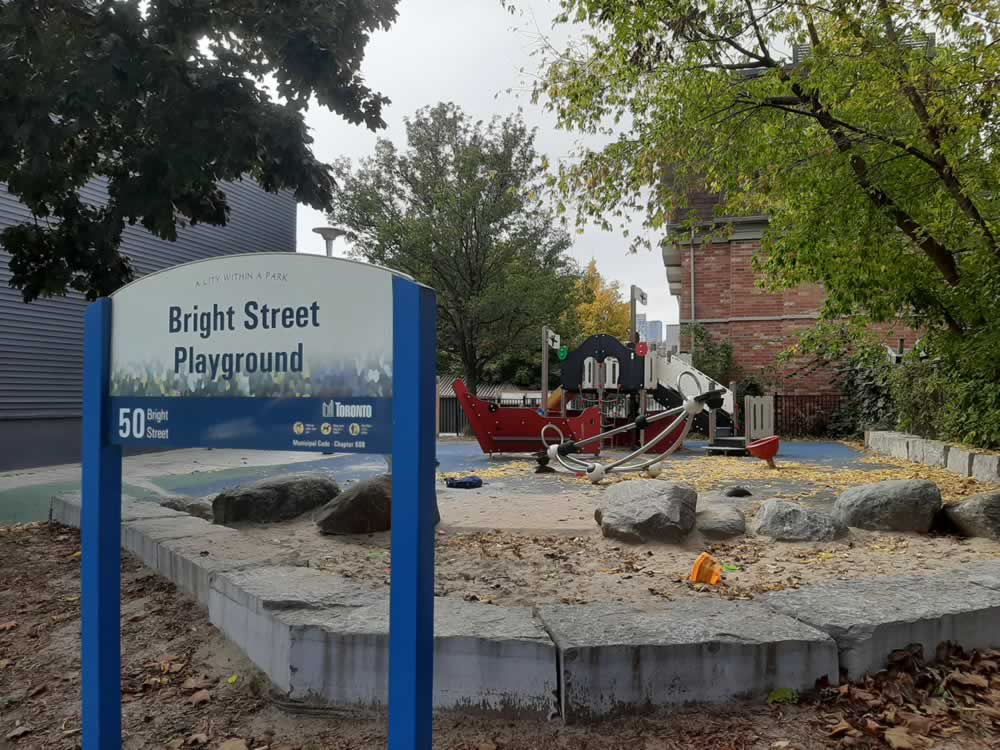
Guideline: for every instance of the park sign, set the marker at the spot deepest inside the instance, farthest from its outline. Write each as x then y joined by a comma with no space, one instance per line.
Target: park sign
275,351
271,350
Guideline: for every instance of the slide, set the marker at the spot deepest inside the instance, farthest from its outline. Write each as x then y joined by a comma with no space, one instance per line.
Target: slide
555,401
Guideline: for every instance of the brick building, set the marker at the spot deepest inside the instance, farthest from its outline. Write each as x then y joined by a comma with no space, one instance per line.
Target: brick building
728,303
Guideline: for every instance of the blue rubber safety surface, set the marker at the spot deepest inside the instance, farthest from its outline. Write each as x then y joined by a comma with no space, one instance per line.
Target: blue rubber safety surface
455,456
465,457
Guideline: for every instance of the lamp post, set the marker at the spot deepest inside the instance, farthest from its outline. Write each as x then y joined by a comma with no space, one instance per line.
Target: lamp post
329,234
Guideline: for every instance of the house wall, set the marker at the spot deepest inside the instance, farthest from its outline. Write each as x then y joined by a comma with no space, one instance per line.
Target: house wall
760,324
41,343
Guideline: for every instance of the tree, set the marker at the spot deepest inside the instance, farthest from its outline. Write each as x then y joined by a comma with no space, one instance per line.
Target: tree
599,307
872,149
164,100
459,210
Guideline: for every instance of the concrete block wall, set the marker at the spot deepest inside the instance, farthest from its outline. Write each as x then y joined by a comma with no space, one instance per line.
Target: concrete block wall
487,659
326,638
983,467
869,619
617,660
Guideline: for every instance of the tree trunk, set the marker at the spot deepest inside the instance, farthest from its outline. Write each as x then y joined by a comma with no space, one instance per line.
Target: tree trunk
471,380
471,376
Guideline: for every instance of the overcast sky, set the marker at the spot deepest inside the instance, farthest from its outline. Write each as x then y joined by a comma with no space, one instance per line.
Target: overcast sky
469,52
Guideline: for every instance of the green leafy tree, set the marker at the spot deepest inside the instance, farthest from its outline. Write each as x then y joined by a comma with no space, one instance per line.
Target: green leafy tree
163,101
866,130
458,208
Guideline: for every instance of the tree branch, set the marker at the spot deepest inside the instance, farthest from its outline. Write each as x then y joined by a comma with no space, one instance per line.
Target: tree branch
757,31
938,253
940,163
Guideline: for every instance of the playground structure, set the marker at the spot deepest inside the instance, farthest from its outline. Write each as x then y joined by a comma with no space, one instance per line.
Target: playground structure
613,395
629,396
503,429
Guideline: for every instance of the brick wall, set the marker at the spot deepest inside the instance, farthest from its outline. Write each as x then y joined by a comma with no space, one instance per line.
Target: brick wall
760,324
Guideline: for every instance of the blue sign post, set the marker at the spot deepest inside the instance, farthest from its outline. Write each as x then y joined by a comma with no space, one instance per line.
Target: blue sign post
267,351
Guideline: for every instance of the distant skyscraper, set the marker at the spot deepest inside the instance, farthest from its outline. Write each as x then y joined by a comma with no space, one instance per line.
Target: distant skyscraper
654,331
640,326
649,330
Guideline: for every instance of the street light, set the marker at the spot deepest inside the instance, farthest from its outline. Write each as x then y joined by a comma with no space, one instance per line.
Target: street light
329,234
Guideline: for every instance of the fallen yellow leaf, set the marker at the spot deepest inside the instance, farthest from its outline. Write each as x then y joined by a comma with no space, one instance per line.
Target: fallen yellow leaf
840,729
899,739
967,679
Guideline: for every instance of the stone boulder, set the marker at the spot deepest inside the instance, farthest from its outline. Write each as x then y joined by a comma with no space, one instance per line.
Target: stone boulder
200,507
363,508
647,510
717,520
276,499
788,522
896,505
978,515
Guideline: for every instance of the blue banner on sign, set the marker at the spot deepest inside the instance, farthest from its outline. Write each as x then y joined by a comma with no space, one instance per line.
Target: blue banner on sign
362,425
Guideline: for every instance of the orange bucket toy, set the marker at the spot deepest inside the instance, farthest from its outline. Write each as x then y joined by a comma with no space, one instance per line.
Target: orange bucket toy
706,570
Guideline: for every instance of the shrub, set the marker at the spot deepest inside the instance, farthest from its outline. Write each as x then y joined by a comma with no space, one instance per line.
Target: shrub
943,389
714,358
865,382
921,393
973,415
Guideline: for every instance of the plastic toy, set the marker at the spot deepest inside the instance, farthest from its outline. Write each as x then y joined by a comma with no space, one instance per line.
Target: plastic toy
706,569
765,449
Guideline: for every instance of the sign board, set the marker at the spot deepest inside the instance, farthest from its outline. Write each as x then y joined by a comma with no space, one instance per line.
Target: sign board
255,352
274,351
553,339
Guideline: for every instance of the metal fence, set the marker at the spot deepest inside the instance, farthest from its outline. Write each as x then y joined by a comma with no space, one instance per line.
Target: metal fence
805,416
452,418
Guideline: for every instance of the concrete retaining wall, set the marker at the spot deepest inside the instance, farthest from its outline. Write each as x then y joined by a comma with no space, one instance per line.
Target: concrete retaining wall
323,637
486,658
984,467
869,619
616,660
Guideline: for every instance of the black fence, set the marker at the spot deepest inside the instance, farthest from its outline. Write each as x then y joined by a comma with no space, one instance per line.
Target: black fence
805,416
452,418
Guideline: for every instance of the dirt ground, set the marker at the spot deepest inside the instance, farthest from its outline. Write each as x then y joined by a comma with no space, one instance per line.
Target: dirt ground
526,539
184,686
508,568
